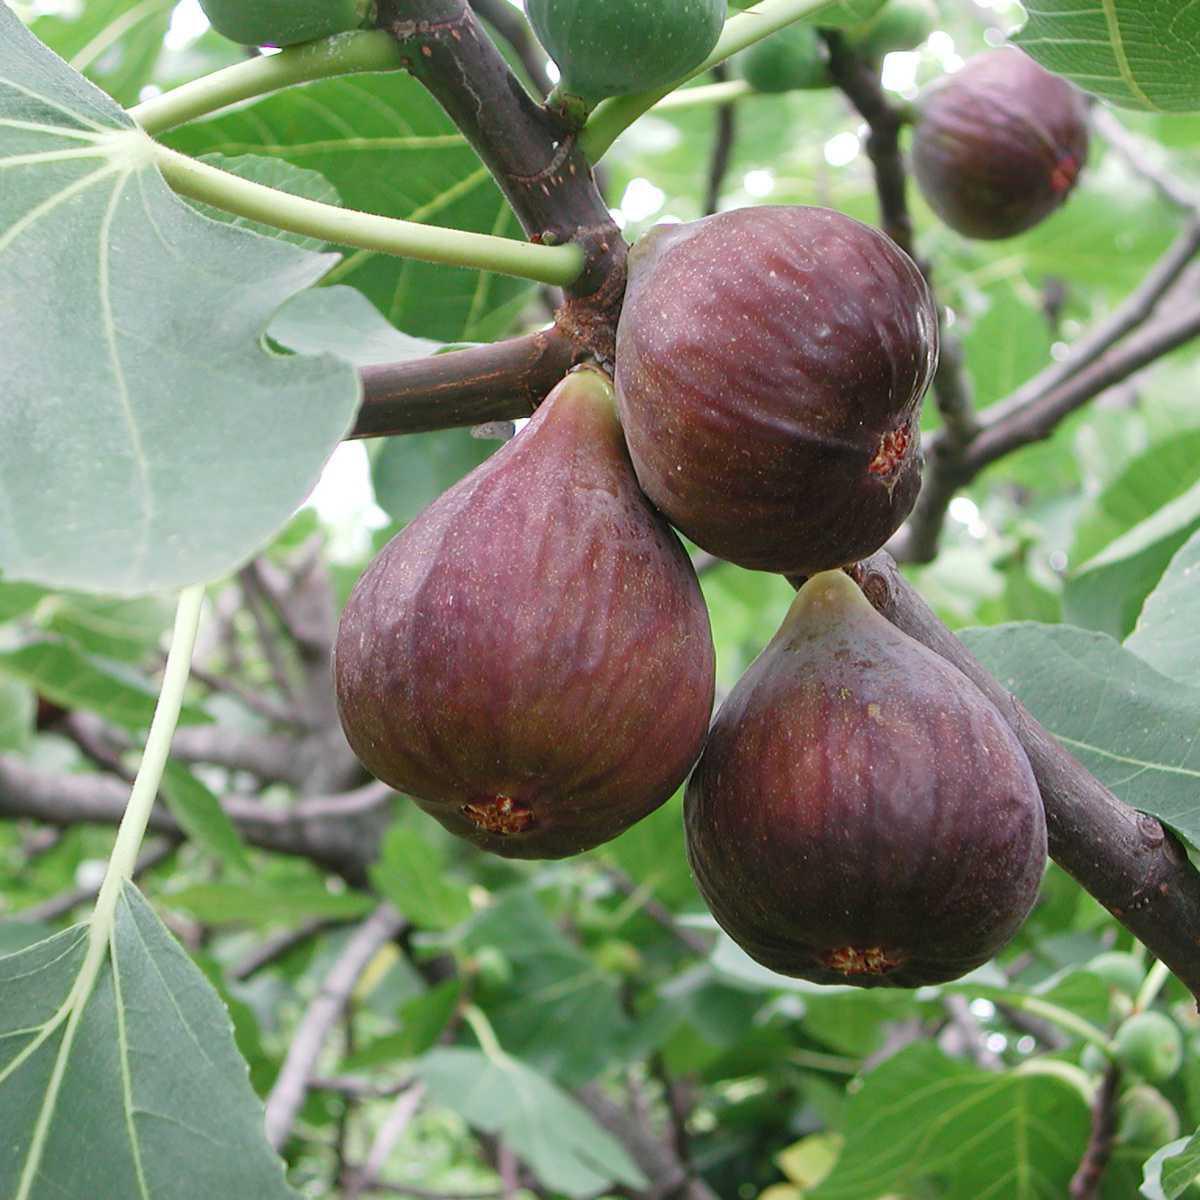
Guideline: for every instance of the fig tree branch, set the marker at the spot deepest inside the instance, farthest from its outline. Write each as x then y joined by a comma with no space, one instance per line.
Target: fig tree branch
291,1085
860,82
536,162
349,53
498,382
511,25
340,833
368,231
722,149
1125,859
1085,1183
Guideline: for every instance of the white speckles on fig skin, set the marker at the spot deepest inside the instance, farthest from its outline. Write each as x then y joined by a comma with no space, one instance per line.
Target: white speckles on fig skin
765,356
531,658
862,814
999,145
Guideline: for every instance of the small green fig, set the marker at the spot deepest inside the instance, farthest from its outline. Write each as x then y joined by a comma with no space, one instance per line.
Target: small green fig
530,659
899,25
285,22
999,145
790,60
770,367
861,813
1149,1044
1146,1118
615,47
1119,970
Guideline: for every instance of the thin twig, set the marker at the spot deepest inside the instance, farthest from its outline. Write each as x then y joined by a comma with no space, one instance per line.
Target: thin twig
155,853
1085,1183
658,913
268,636
278,946
250,698
722,148
970,1033
291,1086
1143,159
512,26
390,1132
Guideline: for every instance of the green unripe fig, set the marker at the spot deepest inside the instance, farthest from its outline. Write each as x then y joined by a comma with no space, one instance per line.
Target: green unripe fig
790,60
899,25
285,22
1146,1118
622,46
1119,970
1093,1060
1149,1044
492,968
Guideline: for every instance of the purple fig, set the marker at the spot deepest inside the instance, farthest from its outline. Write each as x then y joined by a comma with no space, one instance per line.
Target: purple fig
770,368
999,145
861,813
531,658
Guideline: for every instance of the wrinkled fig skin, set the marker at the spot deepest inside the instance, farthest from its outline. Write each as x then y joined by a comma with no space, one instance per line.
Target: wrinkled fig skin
861,813
999,146
770,368
531,658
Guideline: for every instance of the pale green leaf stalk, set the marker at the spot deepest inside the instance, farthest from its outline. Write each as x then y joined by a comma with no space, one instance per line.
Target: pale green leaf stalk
558,265
613,117
120,867
343,54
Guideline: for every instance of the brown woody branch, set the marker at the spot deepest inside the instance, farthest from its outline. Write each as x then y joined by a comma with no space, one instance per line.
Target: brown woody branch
340,833
511,25
1085,1183
467,387
1125,859
534,158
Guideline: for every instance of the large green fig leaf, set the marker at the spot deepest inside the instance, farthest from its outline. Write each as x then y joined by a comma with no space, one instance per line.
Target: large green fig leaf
1135,730
923,1116
387,147
1167,635
1134,53
567,1150
1172,1170
132,1088
115,43
147,439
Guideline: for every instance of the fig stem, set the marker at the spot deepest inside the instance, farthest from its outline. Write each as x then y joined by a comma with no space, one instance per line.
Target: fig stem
343,54
1156,977
612,117
1063,1018
200,181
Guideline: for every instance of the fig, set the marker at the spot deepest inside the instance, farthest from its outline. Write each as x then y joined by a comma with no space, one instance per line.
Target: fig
1149,1044
999,146
770,365
861,813
1146,1118
530,659
790,60
623,46
285,22
899,25
1122,972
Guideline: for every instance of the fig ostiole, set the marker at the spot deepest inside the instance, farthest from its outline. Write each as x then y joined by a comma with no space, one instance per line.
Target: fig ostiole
999,146
861,813
531,658
770,368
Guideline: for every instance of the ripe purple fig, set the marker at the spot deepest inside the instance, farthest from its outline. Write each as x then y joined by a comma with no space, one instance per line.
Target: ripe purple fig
999,146
531,658
770,368
861,813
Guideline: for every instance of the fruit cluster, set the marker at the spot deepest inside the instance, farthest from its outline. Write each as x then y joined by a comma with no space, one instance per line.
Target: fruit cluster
531,658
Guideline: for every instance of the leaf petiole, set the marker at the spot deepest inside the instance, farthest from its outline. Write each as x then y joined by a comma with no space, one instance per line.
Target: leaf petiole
345,54
558,265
